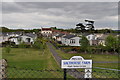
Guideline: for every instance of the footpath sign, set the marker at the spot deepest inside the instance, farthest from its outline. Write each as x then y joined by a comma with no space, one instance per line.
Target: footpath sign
78,62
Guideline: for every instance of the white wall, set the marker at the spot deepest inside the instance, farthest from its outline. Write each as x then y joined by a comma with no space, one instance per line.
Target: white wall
15,40
91,37
25,37
59,39
67,41
46,32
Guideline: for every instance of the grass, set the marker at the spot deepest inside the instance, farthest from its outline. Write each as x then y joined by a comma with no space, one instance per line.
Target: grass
98,73
94,57
29,61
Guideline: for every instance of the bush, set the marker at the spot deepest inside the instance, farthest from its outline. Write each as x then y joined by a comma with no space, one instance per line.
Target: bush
40,43
23,45
8,43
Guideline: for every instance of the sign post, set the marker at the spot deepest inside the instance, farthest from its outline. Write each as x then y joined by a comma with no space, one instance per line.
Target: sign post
78,62
65,75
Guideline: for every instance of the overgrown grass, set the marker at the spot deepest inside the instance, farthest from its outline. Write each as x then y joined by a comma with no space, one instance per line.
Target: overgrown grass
28,62
98,73
94,57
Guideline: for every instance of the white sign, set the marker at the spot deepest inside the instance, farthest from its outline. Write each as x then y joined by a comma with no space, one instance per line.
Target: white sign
76,62
88,75
88,70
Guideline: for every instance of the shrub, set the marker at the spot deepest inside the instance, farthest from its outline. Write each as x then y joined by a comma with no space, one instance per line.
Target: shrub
40,43
23,45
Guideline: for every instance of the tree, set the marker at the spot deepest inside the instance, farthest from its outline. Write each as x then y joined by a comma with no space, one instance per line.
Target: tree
40,43
90,25
81,27
85,45
111,43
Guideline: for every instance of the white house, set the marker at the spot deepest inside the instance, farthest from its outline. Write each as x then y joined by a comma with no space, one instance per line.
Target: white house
71,40
14,39
59,37
46,31
5,36
28,38
92,38
101,39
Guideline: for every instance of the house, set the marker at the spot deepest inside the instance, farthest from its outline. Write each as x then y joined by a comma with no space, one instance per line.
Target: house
59,38
101,40
47,32
15,40
28,38
70,40
4,36
92,39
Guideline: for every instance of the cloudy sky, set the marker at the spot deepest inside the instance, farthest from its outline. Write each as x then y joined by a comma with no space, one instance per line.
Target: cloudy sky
29,15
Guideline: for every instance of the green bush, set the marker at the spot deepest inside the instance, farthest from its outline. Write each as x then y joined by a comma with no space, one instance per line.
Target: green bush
23,45
40,43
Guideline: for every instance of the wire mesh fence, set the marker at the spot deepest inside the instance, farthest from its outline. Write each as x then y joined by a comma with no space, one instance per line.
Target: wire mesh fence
15,72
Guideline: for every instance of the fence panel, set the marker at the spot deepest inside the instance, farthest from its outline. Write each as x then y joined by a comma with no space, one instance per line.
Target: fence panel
15,72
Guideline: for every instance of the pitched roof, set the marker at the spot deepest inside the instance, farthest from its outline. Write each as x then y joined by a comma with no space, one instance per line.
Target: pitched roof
103,37
60,35
30,35
69,36
46,29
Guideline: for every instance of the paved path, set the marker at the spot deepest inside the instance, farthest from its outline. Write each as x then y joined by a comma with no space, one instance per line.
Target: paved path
72,72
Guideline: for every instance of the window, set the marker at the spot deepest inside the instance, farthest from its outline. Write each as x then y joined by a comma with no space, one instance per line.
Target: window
88,37
28,39
72,41
65,40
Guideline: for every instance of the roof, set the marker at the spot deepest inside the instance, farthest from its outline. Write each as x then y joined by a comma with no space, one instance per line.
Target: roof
103,37
30,35
61,32
46,29
60,35
69,36
10,33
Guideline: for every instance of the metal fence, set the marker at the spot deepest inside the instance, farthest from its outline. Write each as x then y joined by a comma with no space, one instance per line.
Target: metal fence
15,72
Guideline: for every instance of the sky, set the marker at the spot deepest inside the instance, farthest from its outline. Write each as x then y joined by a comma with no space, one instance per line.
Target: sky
30,15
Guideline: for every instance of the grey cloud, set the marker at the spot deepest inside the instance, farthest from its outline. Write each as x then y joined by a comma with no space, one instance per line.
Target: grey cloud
58,12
